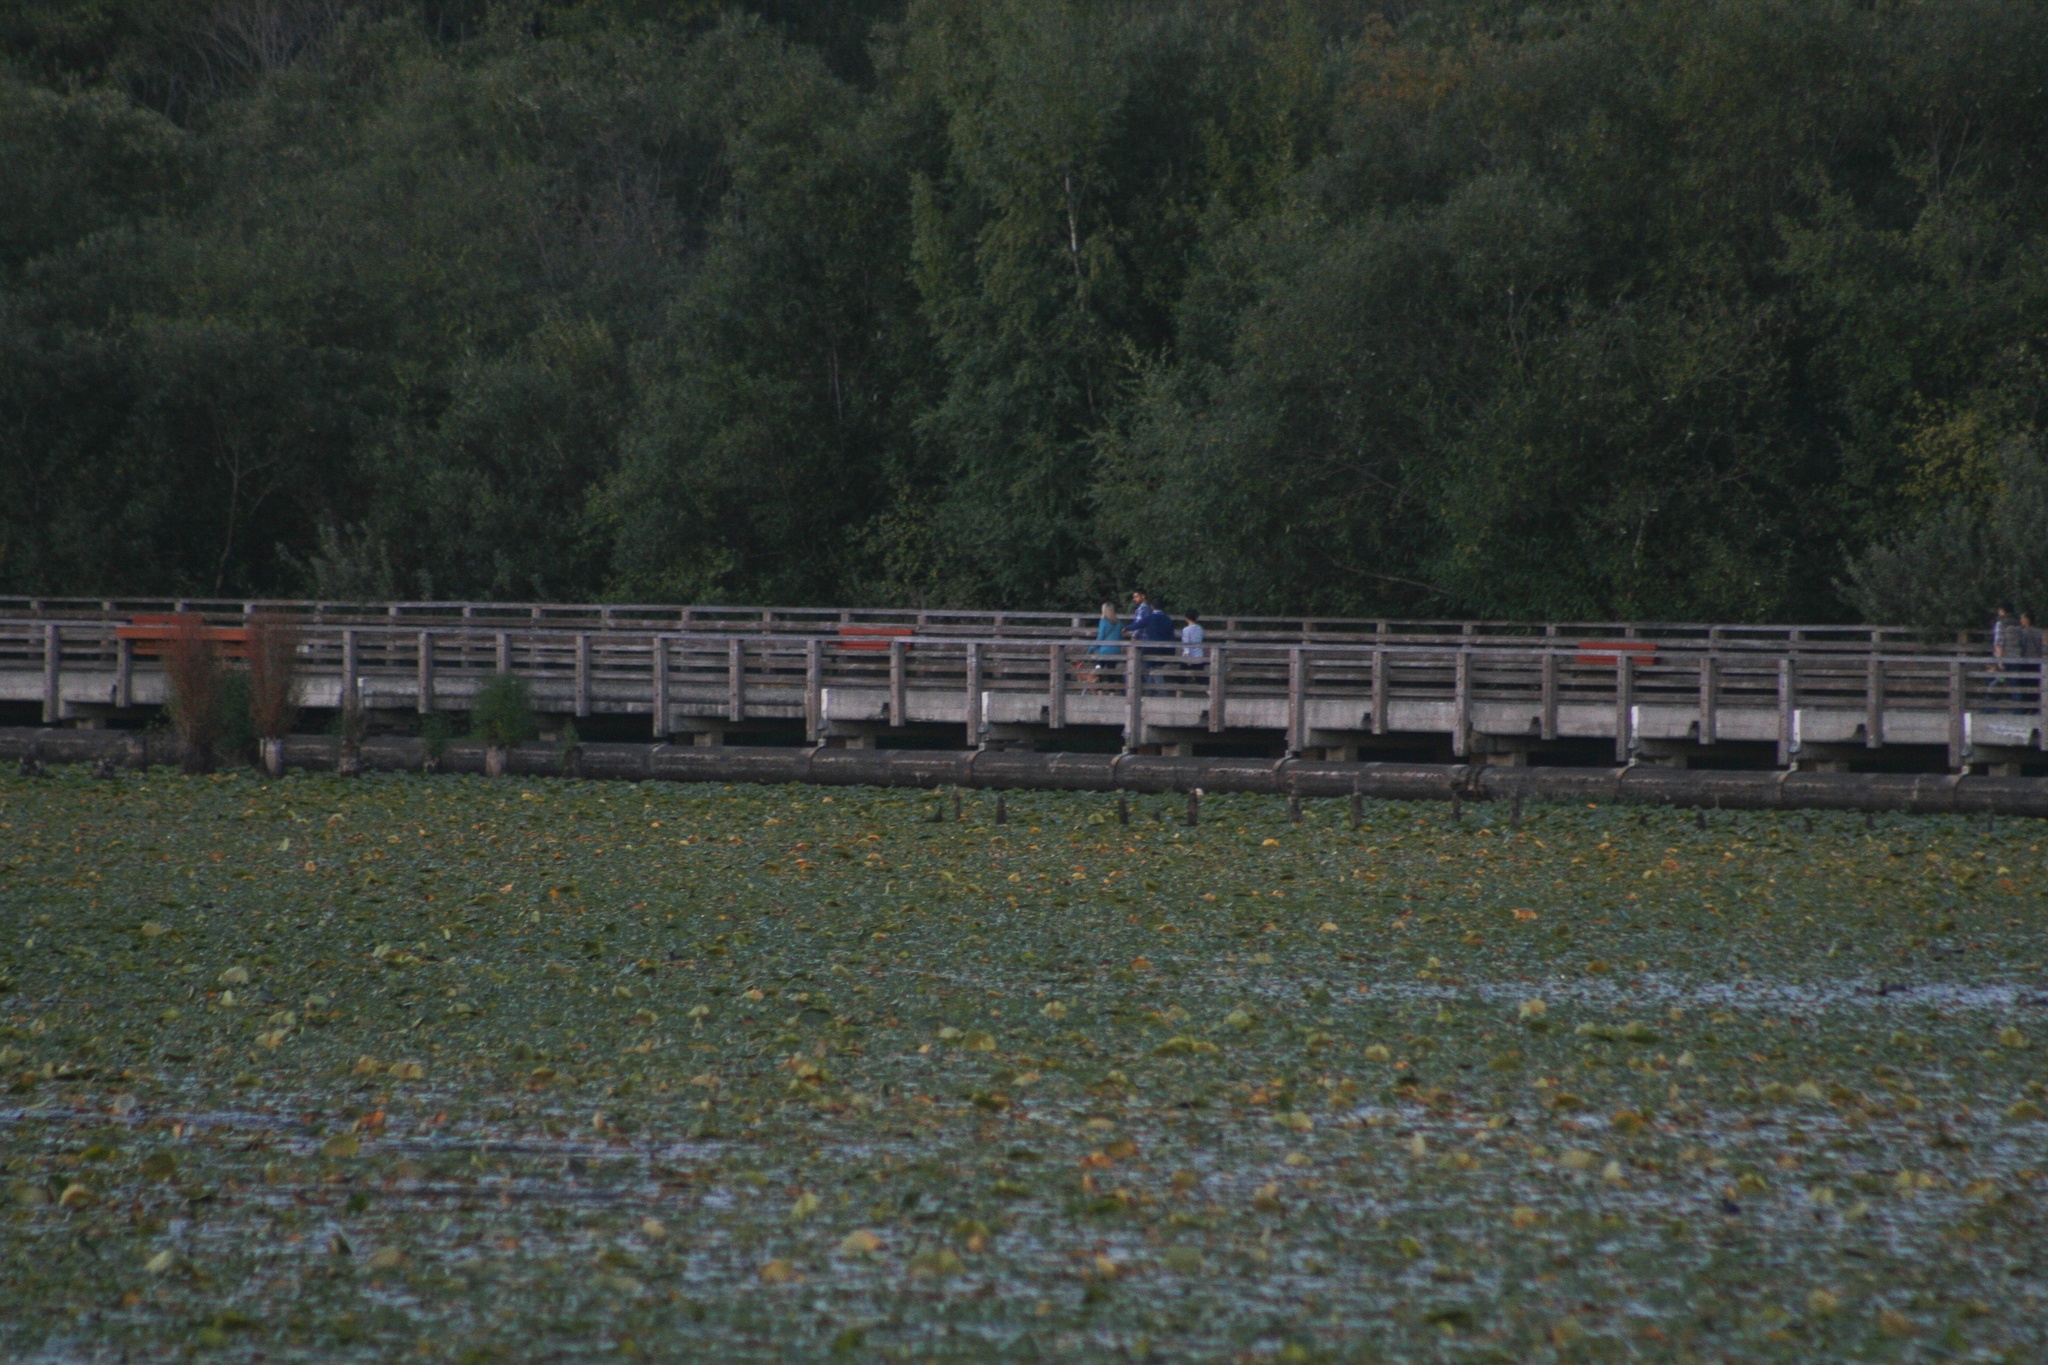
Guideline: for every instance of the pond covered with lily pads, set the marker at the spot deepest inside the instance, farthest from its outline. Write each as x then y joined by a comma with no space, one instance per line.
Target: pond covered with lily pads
470,1070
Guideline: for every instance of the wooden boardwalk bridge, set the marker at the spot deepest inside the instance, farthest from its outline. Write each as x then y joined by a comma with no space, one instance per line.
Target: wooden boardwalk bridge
1825,697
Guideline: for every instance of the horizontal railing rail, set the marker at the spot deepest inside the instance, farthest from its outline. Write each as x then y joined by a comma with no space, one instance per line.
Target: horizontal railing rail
959,624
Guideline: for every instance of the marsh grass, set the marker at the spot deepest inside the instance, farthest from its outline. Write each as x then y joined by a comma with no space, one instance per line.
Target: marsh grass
273,671
192,668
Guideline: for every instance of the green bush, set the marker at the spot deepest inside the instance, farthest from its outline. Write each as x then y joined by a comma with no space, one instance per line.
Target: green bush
237,726
503,713
435,733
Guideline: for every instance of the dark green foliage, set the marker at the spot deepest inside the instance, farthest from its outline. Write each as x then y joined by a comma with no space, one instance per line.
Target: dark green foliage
237,727
1958,560
502,714
1664,309
437,731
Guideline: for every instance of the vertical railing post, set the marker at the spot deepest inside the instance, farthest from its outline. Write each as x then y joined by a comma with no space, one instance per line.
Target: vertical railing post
351,668
1379,687
899,701
424,686
1134,698
973,725
1624,704
1056,688
1710,680
1873,704
2037,678
1546,725
735,680
1219,690
814,689
1788,710
657,701
124,673
1957,719
1461,703
504,662
1297,700
582,675
53,673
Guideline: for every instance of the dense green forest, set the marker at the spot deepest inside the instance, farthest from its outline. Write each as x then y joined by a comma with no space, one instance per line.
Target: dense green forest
1660,308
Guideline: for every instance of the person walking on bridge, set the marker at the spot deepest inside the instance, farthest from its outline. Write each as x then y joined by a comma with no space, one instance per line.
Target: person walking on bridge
1103,653
1154,627
2007,635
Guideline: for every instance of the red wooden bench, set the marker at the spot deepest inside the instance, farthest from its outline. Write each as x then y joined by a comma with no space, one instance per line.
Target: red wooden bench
872,638
1607,653
149,634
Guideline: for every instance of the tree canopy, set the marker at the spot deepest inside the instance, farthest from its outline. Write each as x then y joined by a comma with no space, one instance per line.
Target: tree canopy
1657,308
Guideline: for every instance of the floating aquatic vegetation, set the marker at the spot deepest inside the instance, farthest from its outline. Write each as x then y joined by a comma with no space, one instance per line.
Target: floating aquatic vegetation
468,1069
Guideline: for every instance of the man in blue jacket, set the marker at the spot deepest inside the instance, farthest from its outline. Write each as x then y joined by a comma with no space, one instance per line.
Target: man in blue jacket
1152,626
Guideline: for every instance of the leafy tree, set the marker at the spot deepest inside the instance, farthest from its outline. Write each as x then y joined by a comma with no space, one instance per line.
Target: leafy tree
1649,308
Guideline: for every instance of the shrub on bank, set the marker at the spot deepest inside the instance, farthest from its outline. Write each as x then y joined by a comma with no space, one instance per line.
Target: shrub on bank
502,715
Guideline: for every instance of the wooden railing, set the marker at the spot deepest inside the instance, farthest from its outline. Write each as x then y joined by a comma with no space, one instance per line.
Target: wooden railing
806,621
1534,688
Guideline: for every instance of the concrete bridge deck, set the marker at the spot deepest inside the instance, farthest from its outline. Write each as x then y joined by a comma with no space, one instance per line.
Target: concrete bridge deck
1476,699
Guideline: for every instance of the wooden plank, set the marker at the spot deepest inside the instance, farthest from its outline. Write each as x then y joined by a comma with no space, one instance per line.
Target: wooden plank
1379,690
124,674
814,690
1788,705
898,685
1710,698
1219,690
582,675
1547,693
973,725
1624,705
1134,699
53,673
735,680
2040,678
1297,700
657,700
1056,687
1873,704
1461,703
425,683
1955,715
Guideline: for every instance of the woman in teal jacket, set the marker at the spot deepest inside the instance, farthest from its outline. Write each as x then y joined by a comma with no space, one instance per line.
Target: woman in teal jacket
1108,647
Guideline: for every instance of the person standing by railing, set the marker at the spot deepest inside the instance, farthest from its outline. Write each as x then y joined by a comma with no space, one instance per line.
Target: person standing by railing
1192,652
2030,647
1102,655
2007,634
